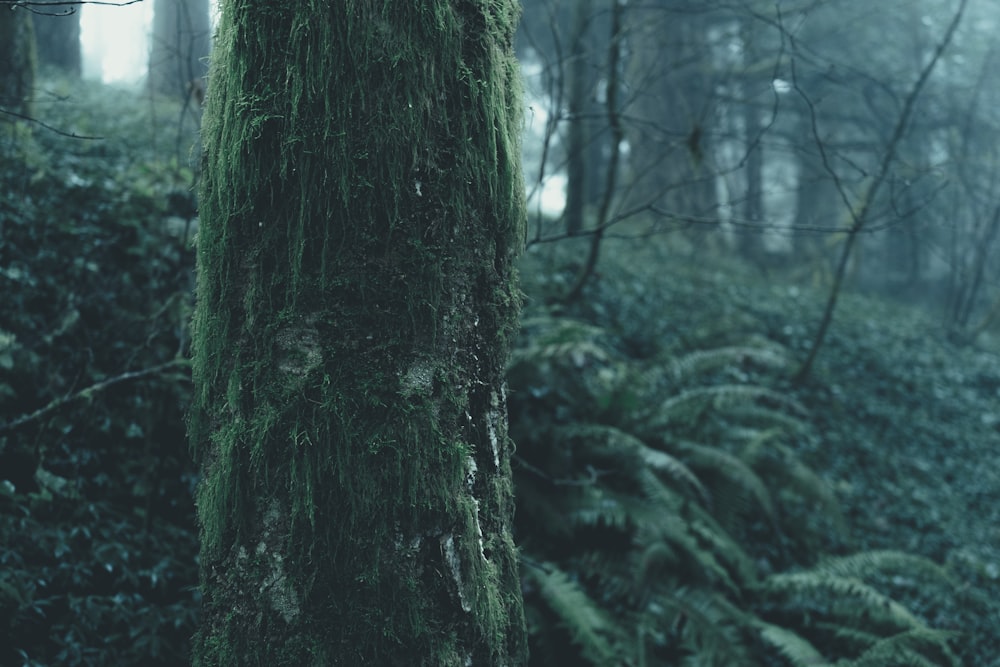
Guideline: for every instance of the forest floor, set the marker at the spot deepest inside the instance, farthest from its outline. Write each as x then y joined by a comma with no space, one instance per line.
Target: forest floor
909,436
908,423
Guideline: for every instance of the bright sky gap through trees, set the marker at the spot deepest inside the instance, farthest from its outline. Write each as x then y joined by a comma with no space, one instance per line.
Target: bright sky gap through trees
115,42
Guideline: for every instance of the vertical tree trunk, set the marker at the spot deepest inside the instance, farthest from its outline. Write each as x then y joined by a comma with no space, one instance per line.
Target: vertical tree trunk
182,40
670,123
751,239
578,135
17,61
361,213
58,39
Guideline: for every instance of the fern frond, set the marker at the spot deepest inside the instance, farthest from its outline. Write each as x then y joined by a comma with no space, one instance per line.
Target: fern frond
730,395
665,523
559,338
908,649
559,329
849,600
596,506
795,648
700,361
706,460
863,565
690,404
709,532
577,353
634,453
608,572
849,640
586,622
761,417
711,627
797,477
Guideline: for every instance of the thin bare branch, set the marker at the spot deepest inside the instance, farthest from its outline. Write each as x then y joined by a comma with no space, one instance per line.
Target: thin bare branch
88,392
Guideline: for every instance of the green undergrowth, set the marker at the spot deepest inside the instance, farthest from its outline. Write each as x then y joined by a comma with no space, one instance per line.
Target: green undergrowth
681,502
97,548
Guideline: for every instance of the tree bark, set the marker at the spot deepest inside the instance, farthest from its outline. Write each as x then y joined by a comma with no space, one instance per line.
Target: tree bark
58,40
670,124
17,61
361,213
578,136
751,236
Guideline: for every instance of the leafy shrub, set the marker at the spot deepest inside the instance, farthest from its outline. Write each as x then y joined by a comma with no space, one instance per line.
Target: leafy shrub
97,542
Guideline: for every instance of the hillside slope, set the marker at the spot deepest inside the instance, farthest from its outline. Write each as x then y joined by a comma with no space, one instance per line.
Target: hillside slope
907,424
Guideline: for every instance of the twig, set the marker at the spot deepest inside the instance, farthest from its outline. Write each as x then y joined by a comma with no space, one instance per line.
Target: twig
860,219
88,392
46,125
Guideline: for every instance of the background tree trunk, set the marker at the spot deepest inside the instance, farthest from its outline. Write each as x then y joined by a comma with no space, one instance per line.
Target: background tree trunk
751,236
578,135
17,61
361,212
182,41
58,39
670,120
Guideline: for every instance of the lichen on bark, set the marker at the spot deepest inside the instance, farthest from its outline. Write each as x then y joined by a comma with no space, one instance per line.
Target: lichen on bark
361,213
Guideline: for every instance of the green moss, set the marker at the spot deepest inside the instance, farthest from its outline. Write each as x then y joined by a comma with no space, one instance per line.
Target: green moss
361,210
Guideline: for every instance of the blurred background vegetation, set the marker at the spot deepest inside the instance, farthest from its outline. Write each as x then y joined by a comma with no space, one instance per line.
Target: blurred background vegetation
755,398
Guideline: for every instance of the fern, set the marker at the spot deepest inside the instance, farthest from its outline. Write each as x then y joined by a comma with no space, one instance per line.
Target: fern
798,651
865,564
906,649
641,488
847,599
689,405
587,623
577,353
560,339
634,454
786,471
694,542
721,465
697,363
598,507
848,640
762,418
708,626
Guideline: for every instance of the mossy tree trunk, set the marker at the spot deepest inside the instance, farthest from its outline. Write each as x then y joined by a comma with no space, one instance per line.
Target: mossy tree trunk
17,61
361,212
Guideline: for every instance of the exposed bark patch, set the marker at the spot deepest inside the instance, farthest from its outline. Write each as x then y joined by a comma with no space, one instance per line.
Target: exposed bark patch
275,583
454,564
299,350
419,379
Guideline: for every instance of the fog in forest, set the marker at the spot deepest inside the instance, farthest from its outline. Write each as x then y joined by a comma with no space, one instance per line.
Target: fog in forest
754,400
779,131
762,129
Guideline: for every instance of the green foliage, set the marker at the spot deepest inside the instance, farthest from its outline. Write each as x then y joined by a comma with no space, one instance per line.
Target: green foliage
655,530
667,515
97,548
